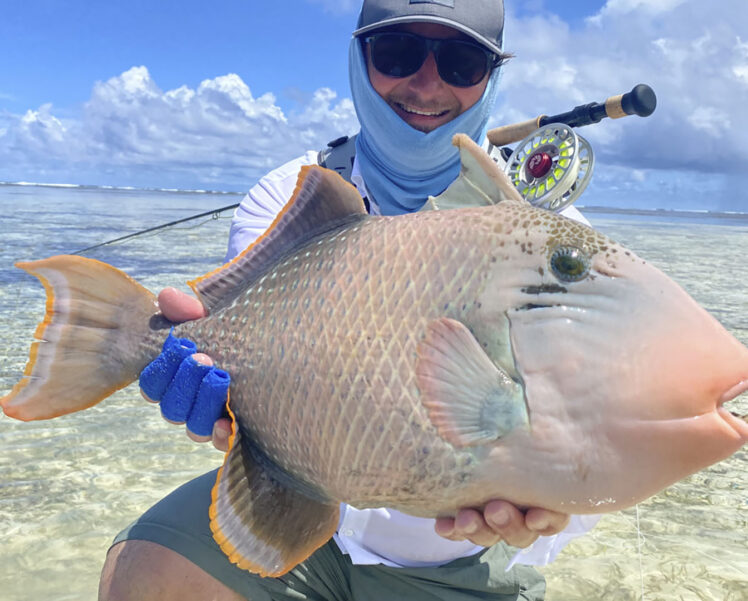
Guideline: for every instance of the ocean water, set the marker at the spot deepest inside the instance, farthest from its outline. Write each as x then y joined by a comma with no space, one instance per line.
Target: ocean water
68,485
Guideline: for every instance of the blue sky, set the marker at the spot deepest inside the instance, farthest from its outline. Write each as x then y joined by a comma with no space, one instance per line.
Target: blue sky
211,95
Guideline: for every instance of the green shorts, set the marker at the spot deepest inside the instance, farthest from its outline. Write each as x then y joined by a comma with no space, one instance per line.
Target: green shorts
180,523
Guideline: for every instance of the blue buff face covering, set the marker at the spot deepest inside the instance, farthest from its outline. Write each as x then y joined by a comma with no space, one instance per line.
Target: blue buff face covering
400,165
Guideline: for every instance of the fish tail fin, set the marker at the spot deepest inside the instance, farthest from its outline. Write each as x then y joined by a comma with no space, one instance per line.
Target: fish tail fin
95,338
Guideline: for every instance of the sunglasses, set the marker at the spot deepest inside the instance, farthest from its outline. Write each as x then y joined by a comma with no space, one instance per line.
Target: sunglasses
460,63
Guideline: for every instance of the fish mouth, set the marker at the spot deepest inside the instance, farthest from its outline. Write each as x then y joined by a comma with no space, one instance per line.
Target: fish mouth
734,419
734,392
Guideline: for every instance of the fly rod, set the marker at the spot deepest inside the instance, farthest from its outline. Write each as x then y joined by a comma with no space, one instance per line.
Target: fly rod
215,213
641,101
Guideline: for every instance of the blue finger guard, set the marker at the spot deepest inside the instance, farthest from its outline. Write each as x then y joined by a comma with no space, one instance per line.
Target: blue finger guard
210,402
180,395
157,375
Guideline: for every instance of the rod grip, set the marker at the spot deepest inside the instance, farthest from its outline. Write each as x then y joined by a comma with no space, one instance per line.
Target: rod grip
507,134
641,100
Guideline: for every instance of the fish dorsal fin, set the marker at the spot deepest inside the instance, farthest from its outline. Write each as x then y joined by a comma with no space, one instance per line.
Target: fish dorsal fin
259,519
469,399
321,202
480,182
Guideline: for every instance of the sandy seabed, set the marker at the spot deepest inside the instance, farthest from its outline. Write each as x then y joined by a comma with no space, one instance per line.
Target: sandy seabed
67,486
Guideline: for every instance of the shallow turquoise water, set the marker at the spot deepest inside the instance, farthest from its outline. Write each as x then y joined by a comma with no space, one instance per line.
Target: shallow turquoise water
68,485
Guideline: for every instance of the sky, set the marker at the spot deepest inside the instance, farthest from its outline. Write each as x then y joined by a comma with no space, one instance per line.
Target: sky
211,95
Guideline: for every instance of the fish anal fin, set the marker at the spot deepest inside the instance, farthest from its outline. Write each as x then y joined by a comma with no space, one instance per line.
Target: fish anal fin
480,182
262,524
321,202
469,399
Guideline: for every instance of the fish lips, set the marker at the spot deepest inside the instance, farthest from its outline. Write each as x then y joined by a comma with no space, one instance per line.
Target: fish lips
738,422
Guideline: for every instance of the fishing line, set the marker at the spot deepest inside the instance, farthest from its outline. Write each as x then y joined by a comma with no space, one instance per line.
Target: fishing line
147,235
214,214
639,538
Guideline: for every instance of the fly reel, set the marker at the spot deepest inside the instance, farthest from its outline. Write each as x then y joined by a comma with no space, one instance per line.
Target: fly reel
551,167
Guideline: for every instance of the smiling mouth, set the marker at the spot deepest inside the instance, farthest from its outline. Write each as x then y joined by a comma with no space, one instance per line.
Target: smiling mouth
414,111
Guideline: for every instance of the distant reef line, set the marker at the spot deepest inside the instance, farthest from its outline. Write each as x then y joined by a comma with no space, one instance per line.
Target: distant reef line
665,212
120,188
586,208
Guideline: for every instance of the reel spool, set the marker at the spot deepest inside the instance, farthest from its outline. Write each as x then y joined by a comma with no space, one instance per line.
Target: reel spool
551,167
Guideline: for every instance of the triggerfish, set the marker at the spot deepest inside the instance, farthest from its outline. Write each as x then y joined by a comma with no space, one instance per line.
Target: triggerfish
424,362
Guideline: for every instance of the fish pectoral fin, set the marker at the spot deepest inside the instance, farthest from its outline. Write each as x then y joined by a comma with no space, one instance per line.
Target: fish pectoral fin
260,521
469,399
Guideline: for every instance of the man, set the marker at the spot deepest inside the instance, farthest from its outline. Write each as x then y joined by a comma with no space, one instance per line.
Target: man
420,71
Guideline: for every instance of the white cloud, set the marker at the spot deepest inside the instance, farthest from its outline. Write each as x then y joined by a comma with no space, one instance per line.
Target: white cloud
689,51
740,61
617,8
218,134
710,120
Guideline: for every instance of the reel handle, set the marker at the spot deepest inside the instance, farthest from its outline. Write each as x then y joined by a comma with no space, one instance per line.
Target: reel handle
641,101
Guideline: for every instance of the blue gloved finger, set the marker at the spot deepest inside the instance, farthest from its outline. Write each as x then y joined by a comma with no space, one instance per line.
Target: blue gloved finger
179,397
159,373
210,402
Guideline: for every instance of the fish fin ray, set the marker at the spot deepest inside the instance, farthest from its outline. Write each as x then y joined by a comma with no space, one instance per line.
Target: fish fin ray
261,524
480,183
90,342
321,202
469,399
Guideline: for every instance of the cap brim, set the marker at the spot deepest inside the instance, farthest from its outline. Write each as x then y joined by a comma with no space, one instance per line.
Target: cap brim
491,45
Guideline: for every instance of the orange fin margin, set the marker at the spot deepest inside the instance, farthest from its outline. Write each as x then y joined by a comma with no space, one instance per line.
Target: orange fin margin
89,343
260,524
321,202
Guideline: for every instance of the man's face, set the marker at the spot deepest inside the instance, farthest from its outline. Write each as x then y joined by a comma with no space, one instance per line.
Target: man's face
423,100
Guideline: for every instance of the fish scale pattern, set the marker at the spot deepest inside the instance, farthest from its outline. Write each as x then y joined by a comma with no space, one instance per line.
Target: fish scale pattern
323,348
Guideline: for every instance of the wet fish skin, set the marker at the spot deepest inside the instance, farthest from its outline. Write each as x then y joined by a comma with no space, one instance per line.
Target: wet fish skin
362,429
425,362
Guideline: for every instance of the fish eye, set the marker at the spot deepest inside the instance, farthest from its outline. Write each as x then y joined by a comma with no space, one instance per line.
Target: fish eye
570,264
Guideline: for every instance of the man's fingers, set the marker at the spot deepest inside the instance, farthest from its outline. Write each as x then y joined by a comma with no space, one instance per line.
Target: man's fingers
197,437
179,306
202,359
546,522
467,525
509,523
221,434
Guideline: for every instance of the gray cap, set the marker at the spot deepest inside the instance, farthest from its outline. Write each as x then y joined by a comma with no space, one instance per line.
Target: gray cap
482,20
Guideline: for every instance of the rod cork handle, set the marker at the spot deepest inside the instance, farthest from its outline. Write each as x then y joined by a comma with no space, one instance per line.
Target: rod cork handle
641,101
507,134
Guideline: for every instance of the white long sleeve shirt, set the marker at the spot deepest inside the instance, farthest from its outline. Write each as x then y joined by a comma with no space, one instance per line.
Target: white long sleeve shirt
379,536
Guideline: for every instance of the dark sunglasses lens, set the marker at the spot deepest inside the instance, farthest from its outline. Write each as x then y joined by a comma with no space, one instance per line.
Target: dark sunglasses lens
397,55
461,64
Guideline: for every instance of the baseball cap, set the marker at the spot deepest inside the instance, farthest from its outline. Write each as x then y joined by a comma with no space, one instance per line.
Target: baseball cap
482,20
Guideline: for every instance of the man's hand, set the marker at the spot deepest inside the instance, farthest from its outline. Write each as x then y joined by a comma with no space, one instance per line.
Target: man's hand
501,520
177,307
